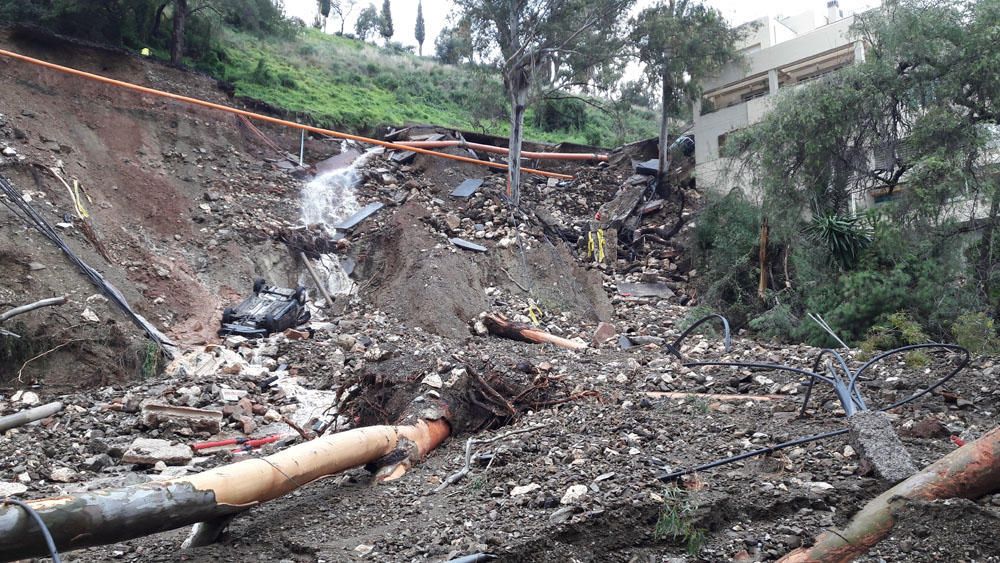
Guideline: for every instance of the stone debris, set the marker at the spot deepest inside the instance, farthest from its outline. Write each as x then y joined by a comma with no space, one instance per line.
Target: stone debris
150,451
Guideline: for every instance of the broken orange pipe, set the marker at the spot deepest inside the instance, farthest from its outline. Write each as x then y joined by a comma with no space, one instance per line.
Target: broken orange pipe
970,472
262,117
500,150
209,498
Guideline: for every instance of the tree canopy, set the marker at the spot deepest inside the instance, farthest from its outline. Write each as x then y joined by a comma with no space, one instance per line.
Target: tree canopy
558,43
680,43
914,126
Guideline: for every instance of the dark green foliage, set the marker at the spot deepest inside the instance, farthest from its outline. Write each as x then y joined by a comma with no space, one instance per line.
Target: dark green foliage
419,33
561,114
454,45
845,238
367,24
385,28
915,121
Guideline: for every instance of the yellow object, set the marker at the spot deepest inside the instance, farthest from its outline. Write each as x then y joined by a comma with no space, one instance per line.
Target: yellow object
600,245
145,52
534,312
590,244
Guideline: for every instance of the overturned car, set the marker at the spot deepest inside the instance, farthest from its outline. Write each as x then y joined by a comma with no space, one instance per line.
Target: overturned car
270,309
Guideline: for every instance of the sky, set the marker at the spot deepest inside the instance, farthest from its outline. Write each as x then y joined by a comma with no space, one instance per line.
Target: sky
437,12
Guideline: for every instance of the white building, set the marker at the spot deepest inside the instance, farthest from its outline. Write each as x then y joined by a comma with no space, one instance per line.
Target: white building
780,53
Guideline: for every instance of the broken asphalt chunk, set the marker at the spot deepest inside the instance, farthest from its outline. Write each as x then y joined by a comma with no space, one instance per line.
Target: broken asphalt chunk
149,451
467,188
360,216
198,420
645,289
462,243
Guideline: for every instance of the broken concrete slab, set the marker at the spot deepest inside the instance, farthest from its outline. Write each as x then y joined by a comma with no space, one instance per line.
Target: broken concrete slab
658,289
462,243
198,420
648,168
876,441
364,213
149,451
467,188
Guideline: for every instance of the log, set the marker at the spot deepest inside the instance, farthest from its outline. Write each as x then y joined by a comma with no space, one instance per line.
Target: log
968,472
110,516
32,306
29,415
499,326
315,277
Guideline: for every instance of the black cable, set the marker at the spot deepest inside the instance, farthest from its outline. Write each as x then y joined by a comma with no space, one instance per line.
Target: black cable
796,442
847,390
41,526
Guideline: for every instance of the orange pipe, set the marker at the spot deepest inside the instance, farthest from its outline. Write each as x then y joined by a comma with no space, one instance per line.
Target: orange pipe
265,118
501,150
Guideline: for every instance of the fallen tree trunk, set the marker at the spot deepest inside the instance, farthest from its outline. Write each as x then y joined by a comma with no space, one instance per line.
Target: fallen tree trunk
713,396
968,472
32,306
104,517
499,326
504,151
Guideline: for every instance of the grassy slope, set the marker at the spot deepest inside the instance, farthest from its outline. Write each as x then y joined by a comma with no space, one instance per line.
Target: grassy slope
341,82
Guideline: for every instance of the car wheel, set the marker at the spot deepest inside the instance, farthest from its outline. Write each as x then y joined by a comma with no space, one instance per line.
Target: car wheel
258,284
300,295
269,324
228,315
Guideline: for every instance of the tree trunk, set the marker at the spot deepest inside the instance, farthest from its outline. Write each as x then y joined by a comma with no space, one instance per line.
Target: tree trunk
984,262
968,472
762,285
157,19
104,517
664,146
177,37
526,333
519,102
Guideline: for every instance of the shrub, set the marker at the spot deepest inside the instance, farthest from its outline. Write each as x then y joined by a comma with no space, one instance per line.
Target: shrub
976,332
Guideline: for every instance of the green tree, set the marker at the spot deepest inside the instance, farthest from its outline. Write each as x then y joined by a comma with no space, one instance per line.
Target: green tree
385,28
680,42
368,23
556,42
915,123
418,30
453,45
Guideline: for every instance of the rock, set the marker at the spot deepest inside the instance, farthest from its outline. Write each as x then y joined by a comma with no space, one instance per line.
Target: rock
231,395
272,416
36,266
26,398
574,494
562,515
7,151
149,451
433,380
98,462
8,489
604,333
62,475
524,489
198,420
453,221
90,316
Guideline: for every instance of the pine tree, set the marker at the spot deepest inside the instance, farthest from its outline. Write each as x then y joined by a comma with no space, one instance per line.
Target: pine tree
385,22
418,32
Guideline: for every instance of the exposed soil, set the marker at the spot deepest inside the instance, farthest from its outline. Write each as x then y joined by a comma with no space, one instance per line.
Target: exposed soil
191,207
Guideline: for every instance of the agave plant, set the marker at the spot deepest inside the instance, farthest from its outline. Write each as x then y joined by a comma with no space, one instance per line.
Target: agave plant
845,238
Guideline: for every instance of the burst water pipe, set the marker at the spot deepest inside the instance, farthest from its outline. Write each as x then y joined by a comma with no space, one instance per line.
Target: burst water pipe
265,118
500,150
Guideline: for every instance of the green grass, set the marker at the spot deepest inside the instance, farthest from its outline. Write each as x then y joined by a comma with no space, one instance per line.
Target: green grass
676,522
342,83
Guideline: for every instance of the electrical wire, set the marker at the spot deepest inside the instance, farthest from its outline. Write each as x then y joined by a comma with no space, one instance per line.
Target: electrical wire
16,203
49,542
846,388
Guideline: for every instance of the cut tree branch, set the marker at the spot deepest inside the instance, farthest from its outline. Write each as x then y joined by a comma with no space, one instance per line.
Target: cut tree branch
968,472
